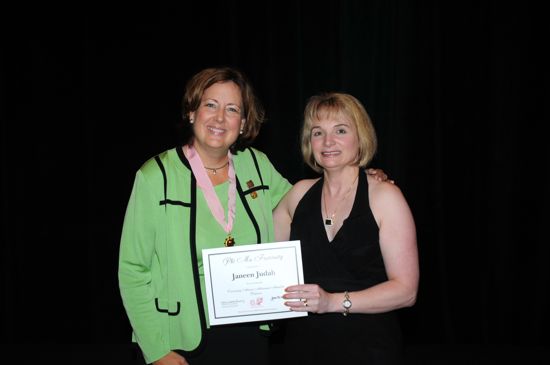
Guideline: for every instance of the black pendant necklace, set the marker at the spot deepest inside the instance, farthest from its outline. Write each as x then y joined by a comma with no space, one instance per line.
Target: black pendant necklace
329,219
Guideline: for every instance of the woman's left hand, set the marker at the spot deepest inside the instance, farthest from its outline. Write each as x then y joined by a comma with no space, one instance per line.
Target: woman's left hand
307,298
379,175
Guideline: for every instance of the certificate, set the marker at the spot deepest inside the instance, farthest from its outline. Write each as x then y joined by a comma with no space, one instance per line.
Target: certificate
246,283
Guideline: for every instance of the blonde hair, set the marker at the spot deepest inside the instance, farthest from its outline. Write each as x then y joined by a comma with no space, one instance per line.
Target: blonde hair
331,105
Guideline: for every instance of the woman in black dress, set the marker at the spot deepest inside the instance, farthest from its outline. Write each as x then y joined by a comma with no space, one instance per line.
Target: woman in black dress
358,241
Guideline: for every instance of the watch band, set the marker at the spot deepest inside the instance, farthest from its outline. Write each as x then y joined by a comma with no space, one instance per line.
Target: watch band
346,303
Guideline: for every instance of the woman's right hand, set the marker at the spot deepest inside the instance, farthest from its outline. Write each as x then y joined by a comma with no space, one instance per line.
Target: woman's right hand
172,358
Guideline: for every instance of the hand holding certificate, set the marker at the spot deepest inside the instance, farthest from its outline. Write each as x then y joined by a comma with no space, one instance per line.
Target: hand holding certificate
246,283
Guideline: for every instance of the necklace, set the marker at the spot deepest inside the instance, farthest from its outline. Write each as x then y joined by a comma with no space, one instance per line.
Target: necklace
329,219
215,169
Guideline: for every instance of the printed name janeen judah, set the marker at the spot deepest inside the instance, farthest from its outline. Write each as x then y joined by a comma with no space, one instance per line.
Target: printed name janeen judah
252,275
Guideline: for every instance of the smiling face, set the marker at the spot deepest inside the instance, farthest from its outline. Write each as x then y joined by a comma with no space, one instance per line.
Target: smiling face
334,141
218,119
343,128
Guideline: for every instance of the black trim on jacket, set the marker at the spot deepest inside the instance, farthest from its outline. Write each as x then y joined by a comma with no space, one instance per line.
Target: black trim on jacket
192,234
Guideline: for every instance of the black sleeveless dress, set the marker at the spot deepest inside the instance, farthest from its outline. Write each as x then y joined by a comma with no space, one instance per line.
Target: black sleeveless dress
351,261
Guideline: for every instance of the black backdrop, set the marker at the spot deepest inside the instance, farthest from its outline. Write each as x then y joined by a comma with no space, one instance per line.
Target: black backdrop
458,92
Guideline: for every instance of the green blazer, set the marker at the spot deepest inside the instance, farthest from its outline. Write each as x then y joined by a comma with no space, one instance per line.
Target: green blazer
166,226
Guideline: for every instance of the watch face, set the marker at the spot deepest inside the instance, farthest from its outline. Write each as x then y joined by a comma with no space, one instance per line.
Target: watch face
346,303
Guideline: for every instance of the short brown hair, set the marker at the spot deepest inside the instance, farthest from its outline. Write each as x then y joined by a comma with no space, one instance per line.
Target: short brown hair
329,104
252,110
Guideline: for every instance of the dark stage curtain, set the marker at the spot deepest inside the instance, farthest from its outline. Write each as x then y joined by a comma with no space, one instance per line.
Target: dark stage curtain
458,92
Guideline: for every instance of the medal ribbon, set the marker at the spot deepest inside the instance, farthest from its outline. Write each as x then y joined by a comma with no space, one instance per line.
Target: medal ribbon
204,183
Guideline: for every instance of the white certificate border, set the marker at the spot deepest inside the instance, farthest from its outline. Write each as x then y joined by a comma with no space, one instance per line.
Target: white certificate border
215,319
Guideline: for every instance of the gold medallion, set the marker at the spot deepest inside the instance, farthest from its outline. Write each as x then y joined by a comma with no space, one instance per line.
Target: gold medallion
229,241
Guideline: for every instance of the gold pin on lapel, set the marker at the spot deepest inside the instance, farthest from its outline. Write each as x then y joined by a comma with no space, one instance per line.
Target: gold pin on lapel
250,185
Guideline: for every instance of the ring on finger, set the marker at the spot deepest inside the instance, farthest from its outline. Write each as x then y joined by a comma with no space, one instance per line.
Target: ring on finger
305,302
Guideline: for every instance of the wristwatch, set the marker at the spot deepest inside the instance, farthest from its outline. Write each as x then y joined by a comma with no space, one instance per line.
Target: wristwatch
346,303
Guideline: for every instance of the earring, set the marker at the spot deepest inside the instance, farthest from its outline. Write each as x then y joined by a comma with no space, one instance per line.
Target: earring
191,121
241,131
